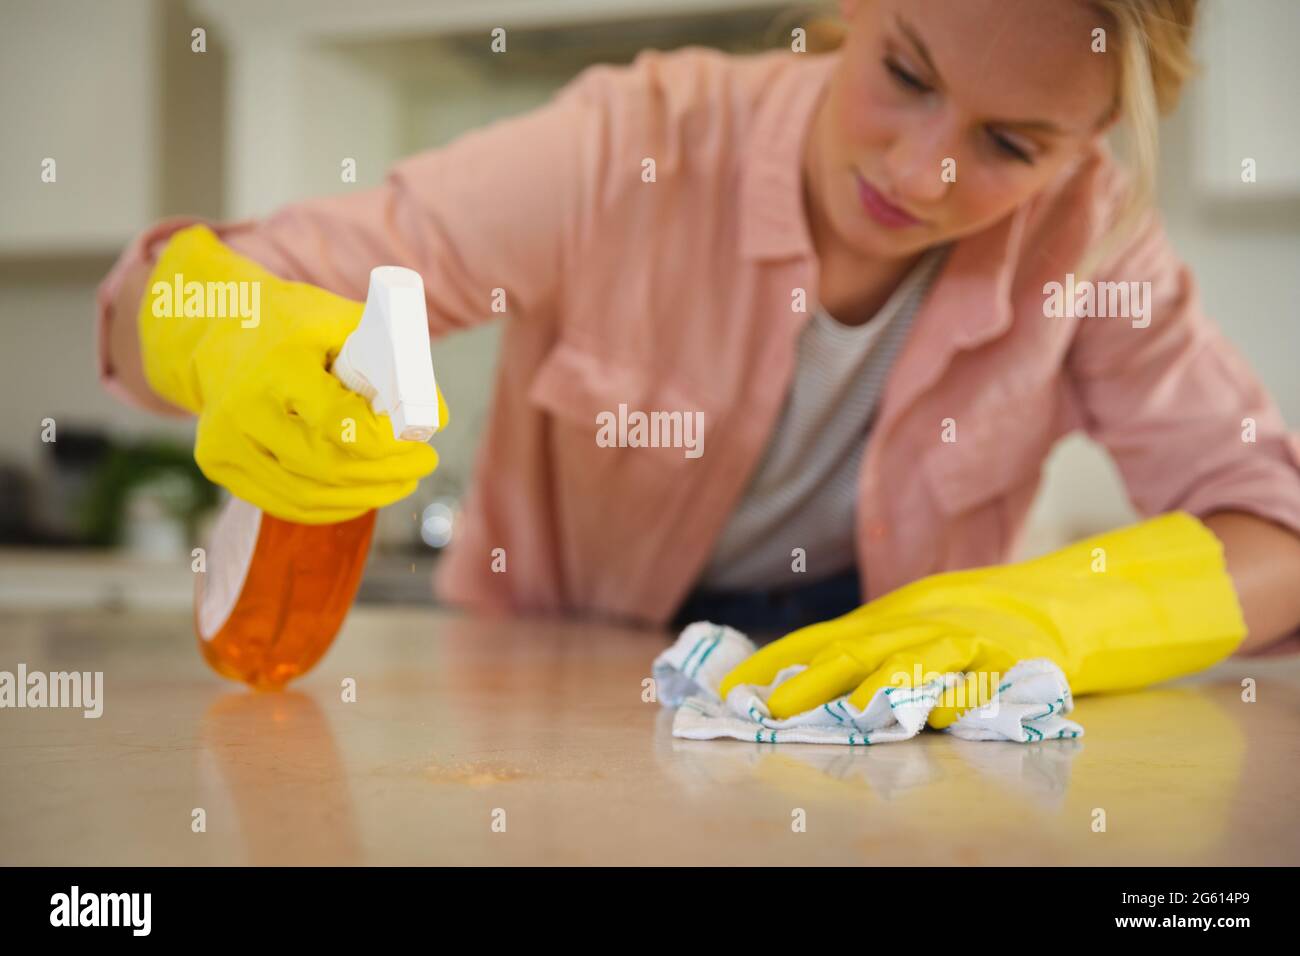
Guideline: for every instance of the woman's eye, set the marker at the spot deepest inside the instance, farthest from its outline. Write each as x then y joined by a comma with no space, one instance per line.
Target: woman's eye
904,78
1009,148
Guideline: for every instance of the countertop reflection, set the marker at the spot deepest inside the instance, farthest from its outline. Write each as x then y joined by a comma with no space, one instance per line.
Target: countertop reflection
483,740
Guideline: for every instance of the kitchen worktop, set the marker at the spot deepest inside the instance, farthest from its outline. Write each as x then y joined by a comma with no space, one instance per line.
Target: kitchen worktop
497,741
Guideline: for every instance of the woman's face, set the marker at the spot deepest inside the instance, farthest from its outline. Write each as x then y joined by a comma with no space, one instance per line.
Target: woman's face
944,115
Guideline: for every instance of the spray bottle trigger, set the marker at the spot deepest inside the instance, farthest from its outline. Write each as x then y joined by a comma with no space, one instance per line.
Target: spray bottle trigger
387,360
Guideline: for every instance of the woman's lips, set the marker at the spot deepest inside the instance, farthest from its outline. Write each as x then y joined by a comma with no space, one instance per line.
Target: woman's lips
881,209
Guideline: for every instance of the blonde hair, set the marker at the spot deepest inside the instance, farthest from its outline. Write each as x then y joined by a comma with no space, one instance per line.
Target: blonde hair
1153,38
1155,42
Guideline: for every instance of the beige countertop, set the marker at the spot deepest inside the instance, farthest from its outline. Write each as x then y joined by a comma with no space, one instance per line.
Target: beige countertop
461,723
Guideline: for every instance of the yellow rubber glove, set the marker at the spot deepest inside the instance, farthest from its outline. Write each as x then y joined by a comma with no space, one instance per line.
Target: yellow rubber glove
1116,611
250,355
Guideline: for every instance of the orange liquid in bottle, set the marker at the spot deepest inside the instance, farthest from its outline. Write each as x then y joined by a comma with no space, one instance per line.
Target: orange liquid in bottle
276,593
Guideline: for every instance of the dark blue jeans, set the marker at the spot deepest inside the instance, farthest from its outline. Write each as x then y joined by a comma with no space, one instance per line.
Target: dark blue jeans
773,612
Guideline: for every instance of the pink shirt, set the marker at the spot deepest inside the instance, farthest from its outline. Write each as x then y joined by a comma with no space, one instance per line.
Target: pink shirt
677,295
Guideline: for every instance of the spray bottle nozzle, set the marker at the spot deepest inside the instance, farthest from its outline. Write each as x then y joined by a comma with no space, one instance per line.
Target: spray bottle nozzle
386,359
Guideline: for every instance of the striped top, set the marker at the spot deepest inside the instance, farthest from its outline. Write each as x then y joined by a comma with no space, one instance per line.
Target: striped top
804,491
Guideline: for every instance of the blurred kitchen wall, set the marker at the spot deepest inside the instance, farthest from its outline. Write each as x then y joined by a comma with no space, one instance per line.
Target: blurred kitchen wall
142,126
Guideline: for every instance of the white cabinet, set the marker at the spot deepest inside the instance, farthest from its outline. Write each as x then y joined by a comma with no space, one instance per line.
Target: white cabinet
1247,99
79,85
313,82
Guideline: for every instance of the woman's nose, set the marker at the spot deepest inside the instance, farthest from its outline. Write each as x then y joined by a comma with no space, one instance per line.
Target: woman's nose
922,165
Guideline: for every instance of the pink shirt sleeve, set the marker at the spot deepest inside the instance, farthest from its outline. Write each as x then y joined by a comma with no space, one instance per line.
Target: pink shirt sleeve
494,209
1176,404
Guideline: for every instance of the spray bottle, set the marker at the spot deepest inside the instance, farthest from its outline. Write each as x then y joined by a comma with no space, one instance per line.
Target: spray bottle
276,592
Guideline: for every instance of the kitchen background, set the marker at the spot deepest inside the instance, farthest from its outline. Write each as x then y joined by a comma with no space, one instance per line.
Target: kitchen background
141,126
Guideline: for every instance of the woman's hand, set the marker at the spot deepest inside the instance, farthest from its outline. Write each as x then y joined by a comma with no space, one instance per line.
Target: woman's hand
275,427
1116,611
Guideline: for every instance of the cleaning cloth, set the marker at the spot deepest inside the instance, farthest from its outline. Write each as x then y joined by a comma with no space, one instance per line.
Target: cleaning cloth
1028,705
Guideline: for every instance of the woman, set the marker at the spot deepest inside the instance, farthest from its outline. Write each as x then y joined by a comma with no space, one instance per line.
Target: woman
837,264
